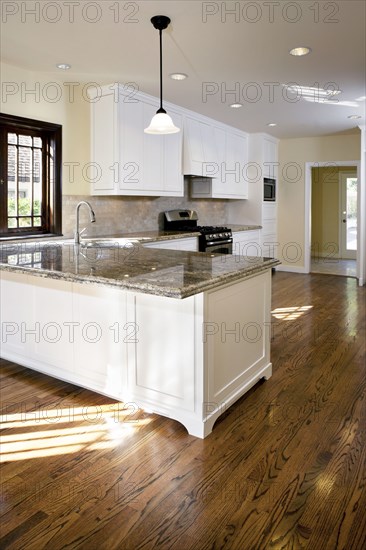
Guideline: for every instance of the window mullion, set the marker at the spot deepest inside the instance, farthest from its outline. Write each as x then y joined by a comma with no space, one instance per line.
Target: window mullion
16,198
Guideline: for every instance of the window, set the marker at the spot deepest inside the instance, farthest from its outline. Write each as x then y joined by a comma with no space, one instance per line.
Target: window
30,177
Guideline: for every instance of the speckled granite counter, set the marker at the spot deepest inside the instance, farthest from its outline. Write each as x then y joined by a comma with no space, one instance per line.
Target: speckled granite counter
142,236
176,274
238,227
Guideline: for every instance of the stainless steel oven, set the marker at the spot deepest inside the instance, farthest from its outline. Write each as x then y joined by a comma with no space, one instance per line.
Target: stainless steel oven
221,247
213,239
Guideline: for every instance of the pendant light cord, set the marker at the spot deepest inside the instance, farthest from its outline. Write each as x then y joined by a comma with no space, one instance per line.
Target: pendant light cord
161,70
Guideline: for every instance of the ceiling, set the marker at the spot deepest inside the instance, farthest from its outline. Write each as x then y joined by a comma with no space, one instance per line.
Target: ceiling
246,52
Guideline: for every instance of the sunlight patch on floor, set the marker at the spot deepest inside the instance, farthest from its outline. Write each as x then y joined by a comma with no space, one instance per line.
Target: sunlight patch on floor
83,428
290,313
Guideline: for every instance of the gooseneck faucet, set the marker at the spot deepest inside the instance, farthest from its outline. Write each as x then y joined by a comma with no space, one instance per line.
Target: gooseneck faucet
92,220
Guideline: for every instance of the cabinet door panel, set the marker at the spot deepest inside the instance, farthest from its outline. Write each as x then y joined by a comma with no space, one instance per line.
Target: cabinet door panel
193,147
153,154
270,245
100,351
236,160
52,304
172,162
104,146
131,153
16,316
270,159
161,368
241,347
199,147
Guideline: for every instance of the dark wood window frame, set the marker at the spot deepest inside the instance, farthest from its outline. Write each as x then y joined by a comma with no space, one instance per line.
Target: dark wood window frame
51,223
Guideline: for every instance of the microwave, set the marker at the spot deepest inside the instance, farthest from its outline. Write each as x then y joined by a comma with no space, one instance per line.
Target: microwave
269,189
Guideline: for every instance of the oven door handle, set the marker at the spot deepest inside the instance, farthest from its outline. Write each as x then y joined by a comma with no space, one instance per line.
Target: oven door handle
211,243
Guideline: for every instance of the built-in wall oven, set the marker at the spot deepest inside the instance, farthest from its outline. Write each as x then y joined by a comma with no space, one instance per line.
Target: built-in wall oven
269,189
214,239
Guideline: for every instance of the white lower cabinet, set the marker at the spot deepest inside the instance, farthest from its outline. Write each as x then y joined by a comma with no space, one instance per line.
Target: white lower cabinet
36,320
102,332
246,243
269,230
160,369
185,359
240,349
189,244
270,245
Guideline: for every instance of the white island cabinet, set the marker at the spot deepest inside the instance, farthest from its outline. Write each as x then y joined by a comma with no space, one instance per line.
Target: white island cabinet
188,359
126,160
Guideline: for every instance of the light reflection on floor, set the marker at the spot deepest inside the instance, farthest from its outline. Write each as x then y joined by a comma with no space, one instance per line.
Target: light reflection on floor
49,432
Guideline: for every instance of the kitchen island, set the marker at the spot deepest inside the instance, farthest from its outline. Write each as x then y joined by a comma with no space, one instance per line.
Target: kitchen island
182,334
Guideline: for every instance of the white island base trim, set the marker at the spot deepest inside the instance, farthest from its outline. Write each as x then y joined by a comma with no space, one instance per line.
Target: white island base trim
185,359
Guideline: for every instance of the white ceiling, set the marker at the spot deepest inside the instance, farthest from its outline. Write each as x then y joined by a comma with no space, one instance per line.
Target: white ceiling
123,46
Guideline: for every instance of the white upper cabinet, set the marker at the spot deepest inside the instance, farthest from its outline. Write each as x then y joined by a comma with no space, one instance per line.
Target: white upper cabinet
270,158
126,160
200,153
225,162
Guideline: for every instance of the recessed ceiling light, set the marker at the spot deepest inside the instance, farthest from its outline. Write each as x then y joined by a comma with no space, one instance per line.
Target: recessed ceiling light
271,124
362,98
300,50
63,66
178,76
354,116
235,105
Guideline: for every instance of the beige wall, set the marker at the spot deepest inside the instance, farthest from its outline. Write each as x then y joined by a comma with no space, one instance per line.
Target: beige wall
293,155
52,101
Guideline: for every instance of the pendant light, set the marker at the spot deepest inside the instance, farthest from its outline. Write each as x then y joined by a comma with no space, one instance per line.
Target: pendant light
161,123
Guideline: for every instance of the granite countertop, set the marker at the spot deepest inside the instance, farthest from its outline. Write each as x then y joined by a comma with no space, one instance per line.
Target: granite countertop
240,227
172,273
143,236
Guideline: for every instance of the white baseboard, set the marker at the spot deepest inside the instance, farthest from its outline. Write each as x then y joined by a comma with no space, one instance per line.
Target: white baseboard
291,268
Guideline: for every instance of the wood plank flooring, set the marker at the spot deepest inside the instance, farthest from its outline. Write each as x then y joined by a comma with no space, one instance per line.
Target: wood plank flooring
284,468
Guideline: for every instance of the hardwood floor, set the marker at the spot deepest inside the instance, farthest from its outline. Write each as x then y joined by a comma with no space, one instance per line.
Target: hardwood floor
284,468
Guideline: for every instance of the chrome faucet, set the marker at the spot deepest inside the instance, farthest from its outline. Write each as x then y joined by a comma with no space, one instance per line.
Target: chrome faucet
92,220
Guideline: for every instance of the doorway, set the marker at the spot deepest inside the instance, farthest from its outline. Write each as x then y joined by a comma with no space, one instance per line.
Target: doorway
333,218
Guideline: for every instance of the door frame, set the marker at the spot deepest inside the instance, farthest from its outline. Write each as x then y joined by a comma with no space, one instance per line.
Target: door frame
360,212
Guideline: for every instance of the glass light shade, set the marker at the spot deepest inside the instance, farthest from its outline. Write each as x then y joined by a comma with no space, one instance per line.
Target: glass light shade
161,123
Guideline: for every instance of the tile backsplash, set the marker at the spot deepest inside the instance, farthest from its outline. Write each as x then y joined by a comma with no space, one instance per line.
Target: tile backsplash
126,214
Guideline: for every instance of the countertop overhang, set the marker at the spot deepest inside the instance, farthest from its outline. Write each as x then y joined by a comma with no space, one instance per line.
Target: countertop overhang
170,273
